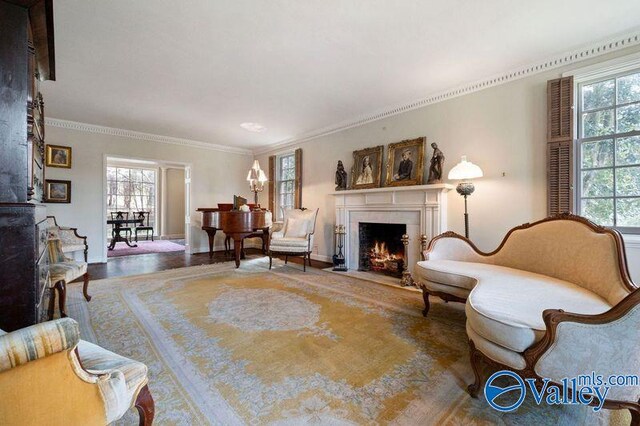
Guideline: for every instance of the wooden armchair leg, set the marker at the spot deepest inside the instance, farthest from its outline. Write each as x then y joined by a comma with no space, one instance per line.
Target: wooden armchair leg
85,287
476,358
62,297
270,260
146,407
304,262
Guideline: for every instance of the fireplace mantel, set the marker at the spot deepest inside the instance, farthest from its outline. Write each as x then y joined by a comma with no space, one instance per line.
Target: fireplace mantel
422,208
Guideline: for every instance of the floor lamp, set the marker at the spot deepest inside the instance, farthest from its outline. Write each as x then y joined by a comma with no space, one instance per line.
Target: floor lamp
464,171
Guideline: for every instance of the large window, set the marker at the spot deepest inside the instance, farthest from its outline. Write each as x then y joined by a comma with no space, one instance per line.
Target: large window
286,183
131,190
608,159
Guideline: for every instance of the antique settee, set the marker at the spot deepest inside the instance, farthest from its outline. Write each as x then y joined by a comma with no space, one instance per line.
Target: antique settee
49,376
554,300
71,240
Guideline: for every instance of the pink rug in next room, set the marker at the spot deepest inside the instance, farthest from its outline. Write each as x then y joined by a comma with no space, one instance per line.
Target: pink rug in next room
144,247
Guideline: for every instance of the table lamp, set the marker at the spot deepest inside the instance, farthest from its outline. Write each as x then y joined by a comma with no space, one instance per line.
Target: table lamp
464,171
256,179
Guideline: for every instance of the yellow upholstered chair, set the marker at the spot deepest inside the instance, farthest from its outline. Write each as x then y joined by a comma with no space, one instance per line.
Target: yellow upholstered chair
62,271
48,376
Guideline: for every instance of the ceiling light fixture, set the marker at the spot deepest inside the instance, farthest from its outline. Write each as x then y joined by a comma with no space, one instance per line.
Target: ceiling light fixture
253,127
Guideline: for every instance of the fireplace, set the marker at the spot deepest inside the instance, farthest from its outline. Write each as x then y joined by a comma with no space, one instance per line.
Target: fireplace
381,248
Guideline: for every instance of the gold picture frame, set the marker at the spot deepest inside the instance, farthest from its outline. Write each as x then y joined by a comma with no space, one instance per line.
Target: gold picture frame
58,156
367,168
405,162
57,191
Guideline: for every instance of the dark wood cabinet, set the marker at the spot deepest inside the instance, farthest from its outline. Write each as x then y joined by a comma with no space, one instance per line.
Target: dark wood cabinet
26,56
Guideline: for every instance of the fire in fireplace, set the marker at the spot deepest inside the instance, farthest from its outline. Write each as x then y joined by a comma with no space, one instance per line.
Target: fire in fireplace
381,248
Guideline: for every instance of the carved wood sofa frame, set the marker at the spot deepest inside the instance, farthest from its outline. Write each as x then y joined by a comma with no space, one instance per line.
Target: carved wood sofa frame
552,317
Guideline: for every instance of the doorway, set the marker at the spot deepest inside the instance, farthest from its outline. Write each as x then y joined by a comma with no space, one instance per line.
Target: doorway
146,207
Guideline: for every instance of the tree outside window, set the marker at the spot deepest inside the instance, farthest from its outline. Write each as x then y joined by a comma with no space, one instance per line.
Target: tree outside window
608,159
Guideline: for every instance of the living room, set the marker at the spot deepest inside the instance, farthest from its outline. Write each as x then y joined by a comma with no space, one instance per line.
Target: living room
394,213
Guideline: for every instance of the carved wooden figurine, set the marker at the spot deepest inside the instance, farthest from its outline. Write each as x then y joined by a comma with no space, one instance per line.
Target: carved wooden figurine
435,168
341,177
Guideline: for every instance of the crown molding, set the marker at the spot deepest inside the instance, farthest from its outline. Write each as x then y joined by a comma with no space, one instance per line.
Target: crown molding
141,136
594,50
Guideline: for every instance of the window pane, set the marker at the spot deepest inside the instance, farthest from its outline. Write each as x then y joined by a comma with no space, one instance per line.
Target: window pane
600,211
597,183
597,154
628,118
123,175
288,174
598,95
597,123
629,88
628,181
628,212
628,151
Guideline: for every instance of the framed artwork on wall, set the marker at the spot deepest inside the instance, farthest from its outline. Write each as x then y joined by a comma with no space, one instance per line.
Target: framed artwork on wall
58,156
57,191
367,168
405,163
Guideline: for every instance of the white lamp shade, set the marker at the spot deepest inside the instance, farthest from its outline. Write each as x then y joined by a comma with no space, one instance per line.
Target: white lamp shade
256,173
465,170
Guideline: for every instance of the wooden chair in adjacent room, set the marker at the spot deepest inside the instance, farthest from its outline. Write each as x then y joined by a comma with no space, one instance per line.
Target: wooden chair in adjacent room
143,225
120,215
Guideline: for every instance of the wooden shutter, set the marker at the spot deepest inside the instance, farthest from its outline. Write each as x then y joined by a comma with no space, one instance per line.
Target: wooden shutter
272,185
297,197
560,145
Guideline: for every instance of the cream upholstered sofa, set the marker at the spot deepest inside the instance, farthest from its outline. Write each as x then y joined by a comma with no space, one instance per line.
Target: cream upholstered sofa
554,300
294,235
48,376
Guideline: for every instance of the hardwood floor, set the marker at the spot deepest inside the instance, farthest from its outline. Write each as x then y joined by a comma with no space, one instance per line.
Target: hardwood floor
154,262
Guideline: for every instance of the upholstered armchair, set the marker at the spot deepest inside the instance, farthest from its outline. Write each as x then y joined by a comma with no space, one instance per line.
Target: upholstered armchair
71,240
62,271
48,376
294,235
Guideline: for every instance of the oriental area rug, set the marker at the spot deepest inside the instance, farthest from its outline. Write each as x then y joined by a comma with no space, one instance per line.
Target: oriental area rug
230,346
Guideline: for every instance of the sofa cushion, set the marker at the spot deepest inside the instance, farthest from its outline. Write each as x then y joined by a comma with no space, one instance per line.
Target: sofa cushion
506,305
451,272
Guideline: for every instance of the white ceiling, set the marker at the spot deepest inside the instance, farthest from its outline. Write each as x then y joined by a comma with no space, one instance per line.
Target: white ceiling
197,69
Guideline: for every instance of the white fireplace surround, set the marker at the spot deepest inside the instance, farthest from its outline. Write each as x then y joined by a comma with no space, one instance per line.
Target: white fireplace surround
422,208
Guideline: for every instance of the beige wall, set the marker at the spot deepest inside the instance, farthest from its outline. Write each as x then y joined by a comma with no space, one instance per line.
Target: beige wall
502,129
174,208
216,176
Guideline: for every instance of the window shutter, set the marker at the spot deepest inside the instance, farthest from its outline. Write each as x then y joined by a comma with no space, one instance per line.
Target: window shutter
560,145
272,185
560,109
297,197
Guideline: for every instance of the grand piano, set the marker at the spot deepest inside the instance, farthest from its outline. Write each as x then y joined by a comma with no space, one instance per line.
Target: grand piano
236,225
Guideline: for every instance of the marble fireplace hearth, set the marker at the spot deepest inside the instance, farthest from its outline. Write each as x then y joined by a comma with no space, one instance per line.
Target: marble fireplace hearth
422,209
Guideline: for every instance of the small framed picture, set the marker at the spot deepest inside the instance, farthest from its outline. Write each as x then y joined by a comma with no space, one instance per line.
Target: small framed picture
58,156
406,162
57,191
367,168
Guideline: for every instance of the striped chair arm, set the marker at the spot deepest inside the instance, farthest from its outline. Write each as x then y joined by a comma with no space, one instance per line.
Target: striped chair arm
37,341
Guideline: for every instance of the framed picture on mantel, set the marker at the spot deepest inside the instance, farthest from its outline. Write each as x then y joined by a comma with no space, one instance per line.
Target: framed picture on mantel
405,165
367,168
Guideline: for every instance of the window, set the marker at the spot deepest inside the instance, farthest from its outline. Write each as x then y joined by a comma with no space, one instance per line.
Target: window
131,190
608,151
286,183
